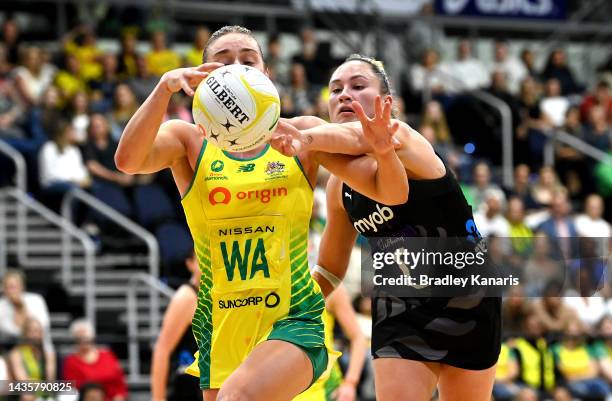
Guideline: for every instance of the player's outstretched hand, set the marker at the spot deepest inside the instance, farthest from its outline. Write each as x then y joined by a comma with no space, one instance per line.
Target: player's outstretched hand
378,131
287,139
188,78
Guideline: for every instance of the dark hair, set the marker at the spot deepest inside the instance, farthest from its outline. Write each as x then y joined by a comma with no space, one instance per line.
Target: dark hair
227,30
90,386
377,68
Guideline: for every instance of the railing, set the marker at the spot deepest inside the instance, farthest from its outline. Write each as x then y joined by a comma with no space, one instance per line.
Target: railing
506,120
20,164
21,184
578,144
132,318
128,225
68,230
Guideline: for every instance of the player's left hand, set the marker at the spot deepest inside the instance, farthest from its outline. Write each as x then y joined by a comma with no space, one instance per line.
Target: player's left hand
346,392
287,139
378,131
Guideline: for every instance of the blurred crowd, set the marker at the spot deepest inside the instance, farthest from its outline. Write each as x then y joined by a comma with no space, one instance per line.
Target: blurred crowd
29,352
65,108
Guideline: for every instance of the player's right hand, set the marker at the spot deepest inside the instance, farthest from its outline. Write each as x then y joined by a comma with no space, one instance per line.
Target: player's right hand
187,78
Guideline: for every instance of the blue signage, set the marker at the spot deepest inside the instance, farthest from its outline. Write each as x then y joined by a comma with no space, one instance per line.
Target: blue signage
539,9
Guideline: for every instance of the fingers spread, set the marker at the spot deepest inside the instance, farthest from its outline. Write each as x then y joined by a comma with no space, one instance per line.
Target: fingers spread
378,107
387,110
360,113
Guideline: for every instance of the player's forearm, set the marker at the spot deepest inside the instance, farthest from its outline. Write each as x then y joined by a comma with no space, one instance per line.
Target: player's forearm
336,138
358,352
159,375
140,132
390,181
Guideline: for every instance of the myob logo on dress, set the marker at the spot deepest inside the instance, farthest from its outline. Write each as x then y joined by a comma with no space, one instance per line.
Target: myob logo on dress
374,219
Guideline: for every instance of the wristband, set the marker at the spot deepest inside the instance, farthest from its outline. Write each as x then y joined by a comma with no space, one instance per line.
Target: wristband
330,277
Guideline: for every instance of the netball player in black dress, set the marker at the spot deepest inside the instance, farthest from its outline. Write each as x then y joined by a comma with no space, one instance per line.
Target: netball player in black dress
417,343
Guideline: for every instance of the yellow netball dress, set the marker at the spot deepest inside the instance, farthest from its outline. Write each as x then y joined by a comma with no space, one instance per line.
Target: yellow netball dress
249,222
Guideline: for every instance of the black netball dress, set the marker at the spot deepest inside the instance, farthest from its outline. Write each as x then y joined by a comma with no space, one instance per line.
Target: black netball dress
458,331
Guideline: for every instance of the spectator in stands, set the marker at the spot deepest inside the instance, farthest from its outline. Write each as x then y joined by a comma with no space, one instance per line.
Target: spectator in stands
161,59
534,356
11,110
515,309
177,108
600,97
560,228
531,124
103,88
520,234
421,34
68,79
554,315
511,67
42,117
78,115
126,60
505,388
468,69
429,74
556,68
92,392
499,89
540,269
603,347
91,363
592,225
481,183
33,76
315,57
5,67
522,188
578,365
124,107
81,43
527,394
528,58
144,82
554,105
11,40
569,162
434,117
597,131
303,97
489,218
546,186
193,57
17,305
589,305
561,394
100,152
61,165
276,61
30,359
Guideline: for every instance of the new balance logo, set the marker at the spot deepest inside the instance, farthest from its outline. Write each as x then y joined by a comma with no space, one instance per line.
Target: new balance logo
374,219
246,168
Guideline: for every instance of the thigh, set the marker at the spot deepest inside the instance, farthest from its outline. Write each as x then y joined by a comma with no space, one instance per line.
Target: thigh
456,384
274,371
398,379
210,395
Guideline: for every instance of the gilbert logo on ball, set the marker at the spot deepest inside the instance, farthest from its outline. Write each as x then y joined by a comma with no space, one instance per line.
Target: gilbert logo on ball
238,107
